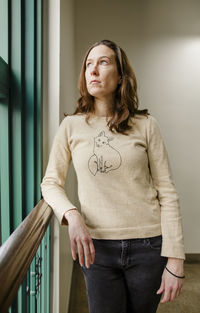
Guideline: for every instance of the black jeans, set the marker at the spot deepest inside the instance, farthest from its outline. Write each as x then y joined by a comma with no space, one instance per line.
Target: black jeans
125,275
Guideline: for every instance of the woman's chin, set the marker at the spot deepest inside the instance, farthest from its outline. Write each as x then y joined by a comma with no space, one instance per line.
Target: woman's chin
96,94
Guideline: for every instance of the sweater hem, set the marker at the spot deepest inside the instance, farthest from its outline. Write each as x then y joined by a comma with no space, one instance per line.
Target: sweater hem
125,233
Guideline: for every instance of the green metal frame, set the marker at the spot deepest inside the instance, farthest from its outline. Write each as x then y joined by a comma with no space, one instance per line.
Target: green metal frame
21,139
4,131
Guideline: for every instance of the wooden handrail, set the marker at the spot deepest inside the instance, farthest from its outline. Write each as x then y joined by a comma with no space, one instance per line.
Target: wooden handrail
17,253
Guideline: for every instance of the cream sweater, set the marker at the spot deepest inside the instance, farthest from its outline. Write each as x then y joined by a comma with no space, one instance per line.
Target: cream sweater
125,184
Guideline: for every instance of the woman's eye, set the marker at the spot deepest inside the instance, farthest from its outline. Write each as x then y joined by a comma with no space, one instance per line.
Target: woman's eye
88,64
104,62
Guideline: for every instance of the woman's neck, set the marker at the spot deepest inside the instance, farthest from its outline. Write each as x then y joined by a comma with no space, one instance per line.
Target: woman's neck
103,107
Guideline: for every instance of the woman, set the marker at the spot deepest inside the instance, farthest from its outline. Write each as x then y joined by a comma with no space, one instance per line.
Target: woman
128,236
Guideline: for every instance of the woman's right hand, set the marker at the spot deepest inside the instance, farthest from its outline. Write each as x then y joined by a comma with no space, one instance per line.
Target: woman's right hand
80,238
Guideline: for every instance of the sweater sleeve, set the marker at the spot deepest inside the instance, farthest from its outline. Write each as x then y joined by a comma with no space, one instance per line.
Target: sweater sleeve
171,220
53,182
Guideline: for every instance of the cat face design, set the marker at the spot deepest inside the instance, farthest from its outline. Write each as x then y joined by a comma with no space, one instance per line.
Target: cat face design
102,140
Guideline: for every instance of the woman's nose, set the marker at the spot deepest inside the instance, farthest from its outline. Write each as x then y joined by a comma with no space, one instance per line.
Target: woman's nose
94,70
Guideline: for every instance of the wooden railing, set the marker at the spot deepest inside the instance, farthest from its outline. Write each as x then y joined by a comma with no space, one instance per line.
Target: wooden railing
17,253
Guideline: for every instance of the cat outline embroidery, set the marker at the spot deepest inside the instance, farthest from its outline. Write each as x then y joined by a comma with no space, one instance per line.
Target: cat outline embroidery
105,158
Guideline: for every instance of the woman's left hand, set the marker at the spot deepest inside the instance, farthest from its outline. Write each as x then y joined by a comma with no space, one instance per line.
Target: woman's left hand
171,285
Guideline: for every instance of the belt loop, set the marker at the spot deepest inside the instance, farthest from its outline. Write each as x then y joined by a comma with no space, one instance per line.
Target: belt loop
146,241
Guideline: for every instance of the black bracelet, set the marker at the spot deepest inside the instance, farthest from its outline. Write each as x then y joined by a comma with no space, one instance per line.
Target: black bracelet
174,274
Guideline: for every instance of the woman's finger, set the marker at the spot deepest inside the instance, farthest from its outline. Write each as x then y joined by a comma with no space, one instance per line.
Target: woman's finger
179,290
167,295
87,257
162,287
92,251
173,293
73,249
80,252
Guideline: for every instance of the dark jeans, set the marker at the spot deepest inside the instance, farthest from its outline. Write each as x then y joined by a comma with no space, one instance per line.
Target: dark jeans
125,275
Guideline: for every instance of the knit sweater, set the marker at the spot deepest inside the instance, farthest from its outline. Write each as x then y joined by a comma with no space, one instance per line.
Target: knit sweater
125,184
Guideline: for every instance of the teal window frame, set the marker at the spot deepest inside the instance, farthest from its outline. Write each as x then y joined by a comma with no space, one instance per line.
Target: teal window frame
21,139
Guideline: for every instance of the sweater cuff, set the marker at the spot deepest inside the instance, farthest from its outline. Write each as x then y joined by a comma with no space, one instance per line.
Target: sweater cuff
60,210
64,220
173,251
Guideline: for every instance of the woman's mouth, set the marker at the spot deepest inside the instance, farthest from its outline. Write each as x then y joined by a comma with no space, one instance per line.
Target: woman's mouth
94,82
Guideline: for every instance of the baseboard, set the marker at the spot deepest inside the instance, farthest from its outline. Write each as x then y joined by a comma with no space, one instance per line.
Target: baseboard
192,258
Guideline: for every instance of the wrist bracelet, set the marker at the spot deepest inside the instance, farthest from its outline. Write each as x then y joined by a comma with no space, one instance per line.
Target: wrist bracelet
174,274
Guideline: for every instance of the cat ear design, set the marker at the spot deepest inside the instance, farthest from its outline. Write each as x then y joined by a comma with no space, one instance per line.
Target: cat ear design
101,134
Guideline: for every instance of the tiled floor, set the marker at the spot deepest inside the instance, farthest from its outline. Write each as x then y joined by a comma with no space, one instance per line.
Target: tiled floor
188,302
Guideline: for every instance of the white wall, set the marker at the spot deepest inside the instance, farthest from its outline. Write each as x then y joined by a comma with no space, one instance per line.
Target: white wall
58,97
162,41
67,105
51,82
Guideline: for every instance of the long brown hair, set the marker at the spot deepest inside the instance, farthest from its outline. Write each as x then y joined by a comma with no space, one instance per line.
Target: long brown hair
126,98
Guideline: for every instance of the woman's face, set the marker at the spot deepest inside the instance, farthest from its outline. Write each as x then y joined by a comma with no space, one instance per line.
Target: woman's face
101,73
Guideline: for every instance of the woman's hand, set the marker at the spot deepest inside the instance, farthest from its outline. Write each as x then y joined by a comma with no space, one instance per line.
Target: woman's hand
80,238
171,285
